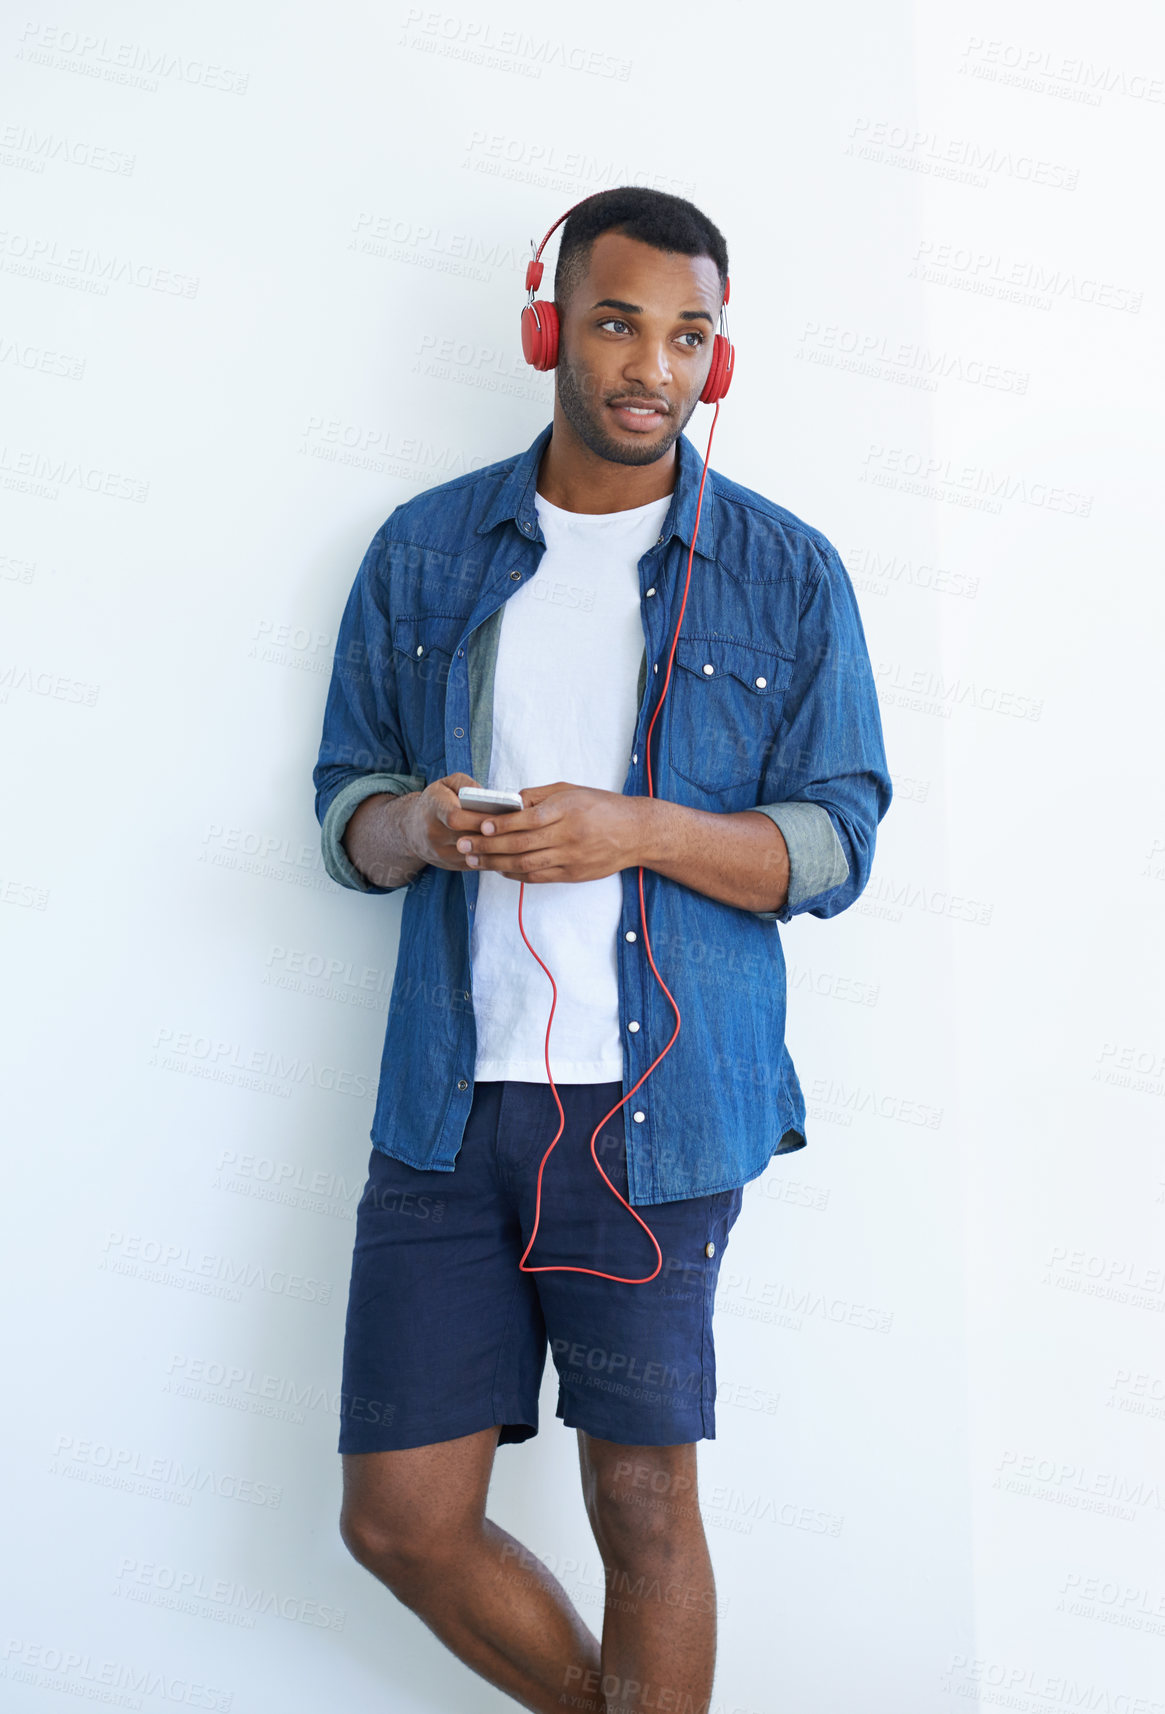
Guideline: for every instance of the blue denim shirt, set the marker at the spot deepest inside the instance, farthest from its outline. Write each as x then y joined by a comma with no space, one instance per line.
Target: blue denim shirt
772,708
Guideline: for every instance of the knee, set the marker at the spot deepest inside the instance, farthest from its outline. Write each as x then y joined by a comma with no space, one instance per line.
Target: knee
403,1561
642,1513
367,1539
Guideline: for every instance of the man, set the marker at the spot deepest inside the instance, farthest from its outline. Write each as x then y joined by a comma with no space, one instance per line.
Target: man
496,634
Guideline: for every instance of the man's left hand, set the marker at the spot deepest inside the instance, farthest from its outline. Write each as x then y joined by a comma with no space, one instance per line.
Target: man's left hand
564,833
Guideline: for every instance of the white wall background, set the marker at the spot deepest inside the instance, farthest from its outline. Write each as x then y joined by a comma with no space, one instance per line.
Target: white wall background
234,242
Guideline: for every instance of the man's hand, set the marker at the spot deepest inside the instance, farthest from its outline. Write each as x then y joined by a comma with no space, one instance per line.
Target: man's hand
565,833
436,821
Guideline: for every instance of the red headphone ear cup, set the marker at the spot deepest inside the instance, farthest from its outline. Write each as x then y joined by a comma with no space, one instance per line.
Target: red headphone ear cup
550,321
720,371
540,334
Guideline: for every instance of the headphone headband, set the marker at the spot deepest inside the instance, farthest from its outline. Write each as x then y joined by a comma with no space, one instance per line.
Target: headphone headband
534,267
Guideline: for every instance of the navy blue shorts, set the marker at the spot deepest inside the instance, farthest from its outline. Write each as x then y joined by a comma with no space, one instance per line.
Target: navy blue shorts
445,1335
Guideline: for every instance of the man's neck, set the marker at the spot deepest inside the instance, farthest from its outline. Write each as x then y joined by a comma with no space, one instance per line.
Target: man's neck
576,479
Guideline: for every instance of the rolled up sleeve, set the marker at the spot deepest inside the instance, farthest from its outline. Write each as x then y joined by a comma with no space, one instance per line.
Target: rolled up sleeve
340,812
362,749
827,785
816,859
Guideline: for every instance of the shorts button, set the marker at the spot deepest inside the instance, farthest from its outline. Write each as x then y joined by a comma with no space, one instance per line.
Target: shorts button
709,1249
461,1083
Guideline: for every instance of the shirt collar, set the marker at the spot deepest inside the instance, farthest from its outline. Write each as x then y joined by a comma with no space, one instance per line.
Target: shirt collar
514,498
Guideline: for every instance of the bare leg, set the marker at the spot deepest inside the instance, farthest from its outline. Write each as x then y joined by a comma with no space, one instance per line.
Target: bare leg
416,1519
659,1632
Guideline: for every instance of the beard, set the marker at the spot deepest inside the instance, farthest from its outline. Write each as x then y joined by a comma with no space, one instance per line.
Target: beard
583,410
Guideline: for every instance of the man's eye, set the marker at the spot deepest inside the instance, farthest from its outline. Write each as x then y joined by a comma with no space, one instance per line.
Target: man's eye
612,321
693,333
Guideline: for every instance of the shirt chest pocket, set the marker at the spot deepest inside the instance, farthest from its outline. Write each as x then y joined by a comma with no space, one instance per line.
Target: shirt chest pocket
726,700
423,651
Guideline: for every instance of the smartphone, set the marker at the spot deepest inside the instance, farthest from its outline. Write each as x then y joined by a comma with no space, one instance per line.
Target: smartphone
485,800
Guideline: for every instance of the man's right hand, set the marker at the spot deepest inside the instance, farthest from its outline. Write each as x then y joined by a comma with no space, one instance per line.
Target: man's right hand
436,821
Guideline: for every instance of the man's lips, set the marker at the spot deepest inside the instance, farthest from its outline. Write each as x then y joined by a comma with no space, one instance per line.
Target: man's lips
639,415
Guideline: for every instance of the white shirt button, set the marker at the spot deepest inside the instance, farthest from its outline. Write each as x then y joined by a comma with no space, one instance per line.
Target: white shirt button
651,591
761,682
655,669
709,1249
639,1117
630,935
633,1026
635,758
709,670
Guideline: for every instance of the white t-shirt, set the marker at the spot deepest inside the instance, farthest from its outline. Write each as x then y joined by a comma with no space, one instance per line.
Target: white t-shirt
565,707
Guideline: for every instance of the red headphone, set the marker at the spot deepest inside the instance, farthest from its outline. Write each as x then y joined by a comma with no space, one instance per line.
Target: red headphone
540,327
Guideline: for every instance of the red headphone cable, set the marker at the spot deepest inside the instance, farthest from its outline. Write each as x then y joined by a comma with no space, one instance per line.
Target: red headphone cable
560,1267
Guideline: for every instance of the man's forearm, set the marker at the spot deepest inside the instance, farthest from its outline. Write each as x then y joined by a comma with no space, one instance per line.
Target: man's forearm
740,859
377,839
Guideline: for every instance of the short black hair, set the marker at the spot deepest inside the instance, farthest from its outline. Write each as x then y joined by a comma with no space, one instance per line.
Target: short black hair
652,216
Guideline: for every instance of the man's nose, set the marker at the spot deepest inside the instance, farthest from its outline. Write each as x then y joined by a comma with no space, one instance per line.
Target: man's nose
649,366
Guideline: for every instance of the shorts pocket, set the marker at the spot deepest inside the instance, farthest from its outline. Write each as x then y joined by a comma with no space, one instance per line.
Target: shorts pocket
722,1215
